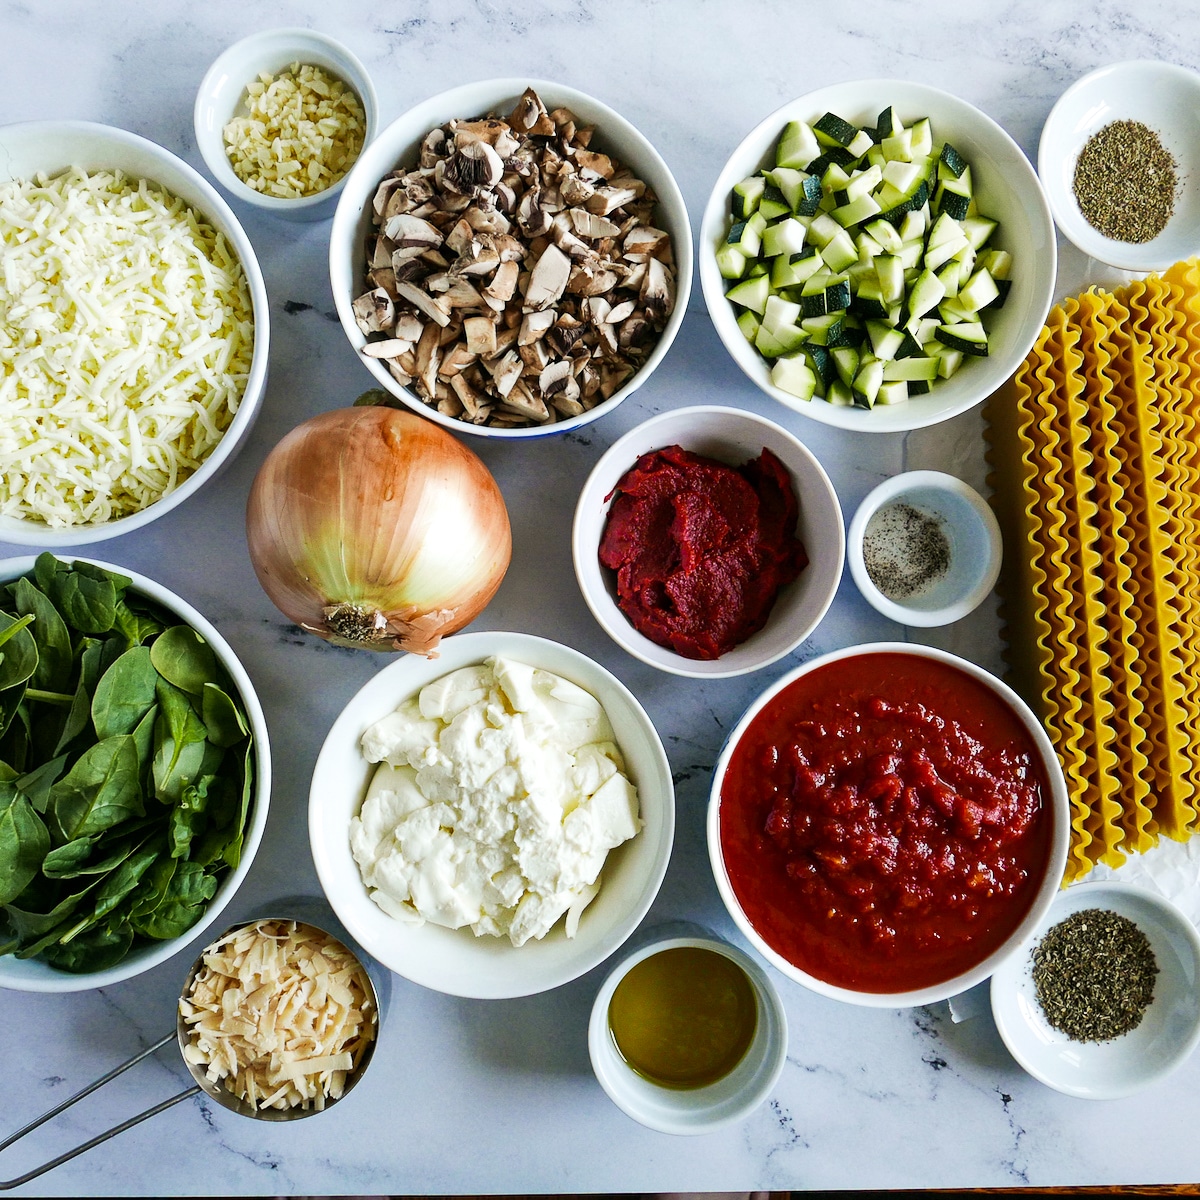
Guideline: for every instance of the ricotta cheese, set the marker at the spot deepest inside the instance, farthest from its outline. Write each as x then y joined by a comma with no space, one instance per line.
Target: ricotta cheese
126,335
500,791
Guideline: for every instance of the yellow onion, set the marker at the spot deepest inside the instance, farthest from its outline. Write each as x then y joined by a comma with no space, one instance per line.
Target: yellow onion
376,528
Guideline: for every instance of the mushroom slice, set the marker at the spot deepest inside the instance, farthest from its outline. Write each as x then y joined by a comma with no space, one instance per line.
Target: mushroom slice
532,217
619,312
658,291
474,406
473,167
462,294
590,280
433,147
504,283
428,357
487,220
565,332
457,361
599,165
534,326
576,190
608,199
505,371
374,312
481,336
548,280
554,378
530,116
411,235
492,130
423,302
645,240
383,192
590,225
460,235
387,348
523,403
596,309
409,326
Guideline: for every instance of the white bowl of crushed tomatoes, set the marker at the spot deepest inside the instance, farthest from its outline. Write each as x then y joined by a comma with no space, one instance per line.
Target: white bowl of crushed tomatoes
671,554
887,824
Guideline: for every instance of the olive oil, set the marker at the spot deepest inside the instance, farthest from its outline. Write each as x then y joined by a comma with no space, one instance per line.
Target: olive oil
684,1018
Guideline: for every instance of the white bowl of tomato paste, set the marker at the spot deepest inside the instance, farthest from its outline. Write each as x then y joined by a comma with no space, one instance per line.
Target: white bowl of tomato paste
887,824
708,542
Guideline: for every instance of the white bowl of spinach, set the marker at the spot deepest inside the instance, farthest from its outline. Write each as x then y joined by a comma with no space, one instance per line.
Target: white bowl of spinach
134,774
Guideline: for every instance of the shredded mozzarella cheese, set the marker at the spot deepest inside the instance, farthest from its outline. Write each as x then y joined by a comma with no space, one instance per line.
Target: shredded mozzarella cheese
281,1012
126,336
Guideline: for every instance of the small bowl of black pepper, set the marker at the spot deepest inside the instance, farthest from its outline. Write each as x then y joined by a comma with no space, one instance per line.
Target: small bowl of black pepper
924,548
1104,1000
1120,163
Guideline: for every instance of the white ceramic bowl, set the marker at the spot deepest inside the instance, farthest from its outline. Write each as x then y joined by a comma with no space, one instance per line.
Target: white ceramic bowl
732,436
701,1109
220,99
1007,189
1059,838
970,528
398,144
455,961
1163,96
54,146
1168,1031
30,975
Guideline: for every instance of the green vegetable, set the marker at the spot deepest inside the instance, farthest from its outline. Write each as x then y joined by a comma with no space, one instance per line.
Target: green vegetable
126,769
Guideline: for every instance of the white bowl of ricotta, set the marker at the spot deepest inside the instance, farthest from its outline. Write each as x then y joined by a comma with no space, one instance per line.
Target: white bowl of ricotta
435,871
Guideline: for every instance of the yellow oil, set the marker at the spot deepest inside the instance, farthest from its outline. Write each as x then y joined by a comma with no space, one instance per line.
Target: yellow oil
684,1017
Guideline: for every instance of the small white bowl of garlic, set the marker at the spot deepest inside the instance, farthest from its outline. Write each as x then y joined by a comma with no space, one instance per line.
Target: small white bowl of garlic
252,142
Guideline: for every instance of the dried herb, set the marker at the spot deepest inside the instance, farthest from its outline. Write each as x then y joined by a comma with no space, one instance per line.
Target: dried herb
1125,182
1094,974
904,550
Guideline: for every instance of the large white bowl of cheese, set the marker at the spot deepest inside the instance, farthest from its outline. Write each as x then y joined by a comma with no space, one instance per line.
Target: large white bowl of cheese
124,457
456,960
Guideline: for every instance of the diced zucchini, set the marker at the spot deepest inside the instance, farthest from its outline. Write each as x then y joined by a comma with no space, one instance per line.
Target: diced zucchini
746,196
954,162
780,312
839,252
922,137
845,360
895,392
748,323
773,205
731,262
867,383
969,337
977,230
831,130
798,146
752,293
793,270
785,339
954,199
784,237
885,339
839,393
820,361
793,375
925,368
837,294
978,292
824,329
926,292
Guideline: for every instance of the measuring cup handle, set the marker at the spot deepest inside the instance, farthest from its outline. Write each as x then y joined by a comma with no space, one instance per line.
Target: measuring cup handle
8,1184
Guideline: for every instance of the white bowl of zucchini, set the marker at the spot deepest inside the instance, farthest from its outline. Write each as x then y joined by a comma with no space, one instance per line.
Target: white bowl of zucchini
878,255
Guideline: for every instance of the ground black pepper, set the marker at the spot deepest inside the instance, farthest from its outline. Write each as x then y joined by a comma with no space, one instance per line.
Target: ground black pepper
1094,975
904,550
1125,182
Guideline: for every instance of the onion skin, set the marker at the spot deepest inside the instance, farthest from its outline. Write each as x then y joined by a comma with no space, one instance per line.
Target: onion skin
373,527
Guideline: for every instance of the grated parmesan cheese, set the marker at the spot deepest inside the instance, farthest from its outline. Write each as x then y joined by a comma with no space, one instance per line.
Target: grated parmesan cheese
126,336
302,131
281,1012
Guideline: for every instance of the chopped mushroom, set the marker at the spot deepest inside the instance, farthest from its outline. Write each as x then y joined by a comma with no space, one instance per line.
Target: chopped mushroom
514,274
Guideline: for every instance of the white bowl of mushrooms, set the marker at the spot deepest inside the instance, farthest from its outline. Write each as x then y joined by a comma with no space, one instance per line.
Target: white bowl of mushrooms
503,271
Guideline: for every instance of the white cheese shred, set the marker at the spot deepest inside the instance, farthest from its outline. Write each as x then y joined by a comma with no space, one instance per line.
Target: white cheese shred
282,1013
126,336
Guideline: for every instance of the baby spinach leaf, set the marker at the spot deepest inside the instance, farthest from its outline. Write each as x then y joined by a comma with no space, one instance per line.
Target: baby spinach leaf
97,949
191,887
89,653
137,627
143,736
50,634
123,880
125,693
100,790
150,892
224,719
85,595
182,657
36,784
10,704
232,854
24,841
34,922
14,740
18,650
188,816
194,760
177,730
68,860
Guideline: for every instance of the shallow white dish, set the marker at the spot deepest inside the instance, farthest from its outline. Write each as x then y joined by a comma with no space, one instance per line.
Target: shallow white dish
1059,838
973,534
1163,96
1008,190
398,144
30,975
54,146
702,1109
1168,1032
455,961
733,436
220,98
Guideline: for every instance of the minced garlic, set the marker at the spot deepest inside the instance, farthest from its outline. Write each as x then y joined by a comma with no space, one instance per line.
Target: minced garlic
302,131
282,1013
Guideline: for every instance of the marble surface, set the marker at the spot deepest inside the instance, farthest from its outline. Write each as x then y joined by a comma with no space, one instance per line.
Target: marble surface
468,1096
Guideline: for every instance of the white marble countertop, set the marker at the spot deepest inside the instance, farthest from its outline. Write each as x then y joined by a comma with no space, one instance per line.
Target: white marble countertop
469,1096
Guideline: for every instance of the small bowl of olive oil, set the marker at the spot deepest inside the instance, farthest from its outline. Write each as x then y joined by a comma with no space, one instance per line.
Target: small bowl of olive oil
687,1034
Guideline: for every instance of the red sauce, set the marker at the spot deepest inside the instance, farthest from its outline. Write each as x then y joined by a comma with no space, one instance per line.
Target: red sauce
885,822
700,548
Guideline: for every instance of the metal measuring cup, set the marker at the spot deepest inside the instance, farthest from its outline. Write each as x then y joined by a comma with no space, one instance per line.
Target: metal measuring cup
213,1088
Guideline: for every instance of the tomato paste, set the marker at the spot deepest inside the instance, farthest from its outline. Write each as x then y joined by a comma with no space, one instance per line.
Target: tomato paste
700,548
885,822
